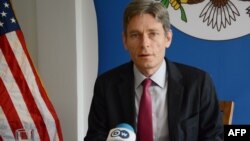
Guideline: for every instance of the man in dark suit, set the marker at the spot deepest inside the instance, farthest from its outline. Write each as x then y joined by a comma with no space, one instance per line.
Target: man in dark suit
184,106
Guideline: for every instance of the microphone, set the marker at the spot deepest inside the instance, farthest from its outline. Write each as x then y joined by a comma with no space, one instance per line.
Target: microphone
122,132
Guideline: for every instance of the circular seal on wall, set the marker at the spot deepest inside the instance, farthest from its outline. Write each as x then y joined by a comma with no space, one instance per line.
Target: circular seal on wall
210,19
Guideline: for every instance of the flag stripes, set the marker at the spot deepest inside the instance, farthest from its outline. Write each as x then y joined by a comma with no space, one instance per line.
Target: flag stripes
5,131
42,91
29,88
18,89
8,111
23,100
20,79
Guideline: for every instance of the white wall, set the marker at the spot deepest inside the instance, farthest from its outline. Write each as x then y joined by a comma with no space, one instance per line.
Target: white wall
25,11
57,59
87,59
62,38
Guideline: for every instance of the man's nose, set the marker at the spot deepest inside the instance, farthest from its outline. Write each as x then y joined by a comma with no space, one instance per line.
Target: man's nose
145,41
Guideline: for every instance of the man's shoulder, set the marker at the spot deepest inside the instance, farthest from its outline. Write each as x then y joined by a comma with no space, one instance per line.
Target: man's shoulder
187,71
121,70
189,74
188,68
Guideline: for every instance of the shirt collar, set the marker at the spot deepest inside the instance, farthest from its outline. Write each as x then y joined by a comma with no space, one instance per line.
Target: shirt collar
159,77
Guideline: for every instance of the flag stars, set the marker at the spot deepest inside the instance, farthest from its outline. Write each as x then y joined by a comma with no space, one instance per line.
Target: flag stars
13,20
6,5
1,24
8,21
3,14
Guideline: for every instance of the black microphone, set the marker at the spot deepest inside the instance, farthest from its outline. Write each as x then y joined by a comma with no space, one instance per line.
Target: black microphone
122,132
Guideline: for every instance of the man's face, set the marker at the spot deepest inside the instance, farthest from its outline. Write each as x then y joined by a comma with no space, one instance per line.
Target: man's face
146,42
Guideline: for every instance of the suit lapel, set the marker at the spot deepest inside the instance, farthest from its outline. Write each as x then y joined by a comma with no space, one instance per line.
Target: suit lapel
175,97
127,94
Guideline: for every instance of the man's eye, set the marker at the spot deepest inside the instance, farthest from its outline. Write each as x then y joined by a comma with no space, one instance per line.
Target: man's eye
134,35
152,34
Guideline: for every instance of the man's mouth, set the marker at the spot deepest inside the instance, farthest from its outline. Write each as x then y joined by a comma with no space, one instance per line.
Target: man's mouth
144,55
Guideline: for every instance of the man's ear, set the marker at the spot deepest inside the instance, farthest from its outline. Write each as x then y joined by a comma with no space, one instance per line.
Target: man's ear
169,36
124,39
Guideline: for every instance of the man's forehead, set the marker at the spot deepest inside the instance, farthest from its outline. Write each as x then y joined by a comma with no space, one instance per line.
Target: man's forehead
144,22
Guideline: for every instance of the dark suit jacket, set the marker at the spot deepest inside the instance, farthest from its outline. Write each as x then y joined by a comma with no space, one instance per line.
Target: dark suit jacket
193,111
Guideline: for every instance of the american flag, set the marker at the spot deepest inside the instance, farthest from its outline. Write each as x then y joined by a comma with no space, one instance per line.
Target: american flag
24,103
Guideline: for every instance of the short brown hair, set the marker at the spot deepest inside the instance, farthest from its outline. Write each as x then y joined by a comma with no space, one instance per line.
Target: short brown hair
156,9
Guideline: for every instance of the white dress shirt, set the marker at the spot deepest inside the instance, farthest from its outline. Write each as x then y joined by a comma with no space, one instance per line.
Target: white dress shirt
158,92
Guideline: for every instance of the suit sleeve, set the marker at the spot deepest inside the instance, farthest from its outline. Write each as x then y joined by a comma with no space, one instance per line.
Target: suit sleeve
211,123
97,120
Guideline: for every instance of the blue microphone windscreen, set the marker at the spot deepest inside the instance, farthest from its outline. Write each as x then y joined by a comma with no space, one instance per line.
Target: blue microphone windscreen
125,125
